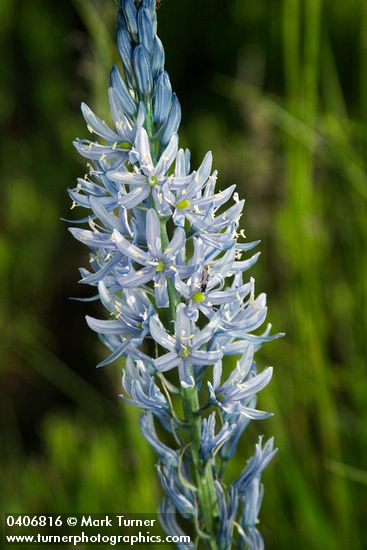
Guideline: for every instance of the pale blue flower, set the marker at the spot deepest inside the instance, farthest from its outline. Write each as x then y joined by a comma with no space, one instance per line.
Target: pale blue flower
182,498
167,455
241,387
150,178
211,442
252,504
228,507
185,348
255,466
158,264
167,516
140,385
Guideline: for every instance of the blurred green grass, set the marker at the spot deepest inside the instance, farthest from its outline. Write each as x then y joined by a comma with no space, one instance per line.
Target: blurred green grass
278,91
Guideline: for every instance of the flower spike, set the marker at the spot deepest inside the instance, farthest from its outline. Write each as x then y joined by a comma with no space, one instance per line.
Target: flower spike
169,263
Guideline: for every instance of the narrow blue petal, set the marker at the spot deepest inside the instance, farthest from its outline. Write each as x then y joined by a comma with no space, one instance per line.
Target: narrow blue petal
130,13
148,430
183,326
202,358
245,247
130,249
122,90
142,146
97,125
153,234
246,264
135,197
160,290
122,125
160,335
101,273
145,28
163,99
142,70
186,378
167,518
115,355
105,327
108,220
176,244
137,278
168,156
158,57
89,238
255,384
173,121
167,362
125,49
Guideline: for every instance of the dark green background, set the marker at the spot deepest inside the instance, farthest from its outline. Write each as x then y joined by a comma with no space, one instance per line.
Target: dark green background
278,91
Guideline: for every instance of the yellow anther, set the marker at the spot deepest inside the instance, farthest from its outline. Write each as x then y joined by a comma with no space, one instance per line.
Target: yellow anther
187,337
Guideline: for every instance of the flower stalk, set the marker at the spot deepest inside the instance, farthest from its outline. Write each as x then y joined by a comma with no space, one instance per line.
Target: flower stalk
207,499
167,261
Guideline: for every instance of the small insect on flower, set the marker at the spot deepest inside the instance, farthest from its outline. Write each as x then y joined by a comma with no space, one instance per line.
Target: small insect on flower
205,276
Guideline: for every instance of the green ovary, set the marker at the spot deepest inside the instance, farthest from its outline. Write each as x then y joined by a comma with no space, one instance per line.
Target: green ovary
198,297
153,180
183,204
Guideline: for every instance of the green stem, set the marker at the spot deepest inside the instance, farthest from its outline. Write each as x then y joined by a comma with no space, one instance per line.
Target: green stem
174,298
203,475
